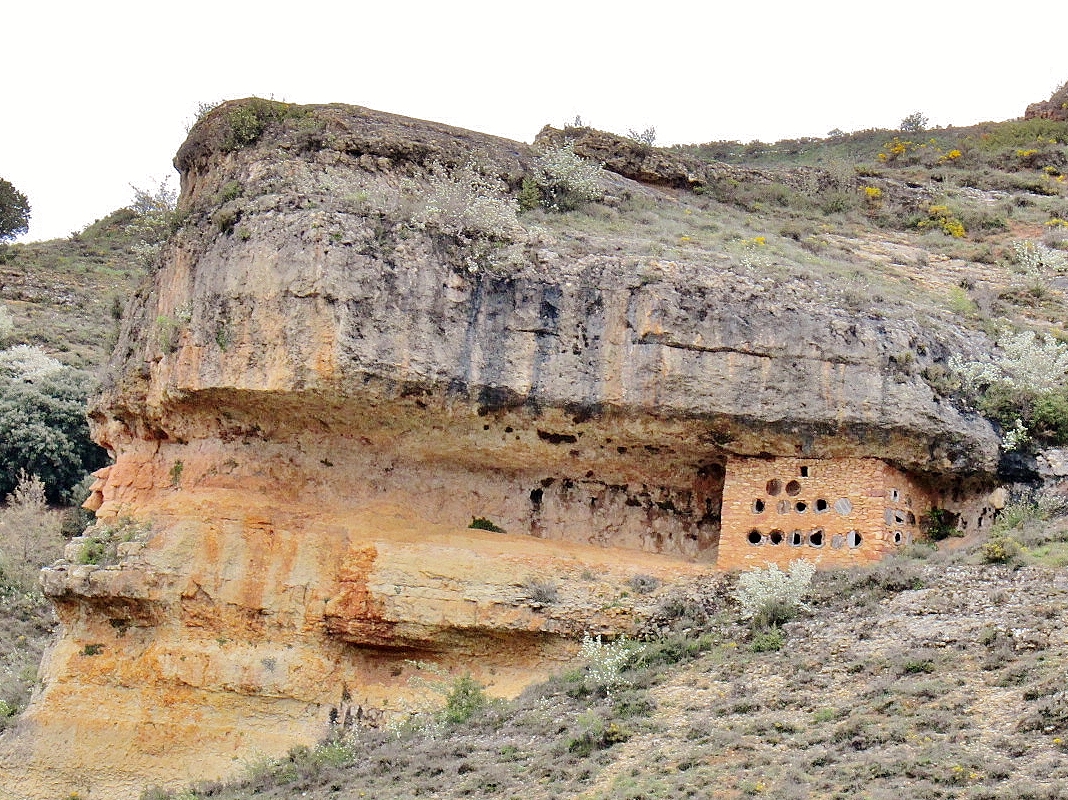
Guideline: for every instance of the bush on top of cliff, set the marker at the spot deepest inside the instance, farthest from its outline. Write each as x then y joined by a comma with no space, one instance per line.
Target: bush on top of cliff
562,180
247,121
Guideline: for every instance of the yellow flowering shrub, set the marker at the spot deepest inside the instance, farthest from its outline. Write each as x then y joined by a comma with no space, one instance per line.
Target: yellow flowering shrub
941,217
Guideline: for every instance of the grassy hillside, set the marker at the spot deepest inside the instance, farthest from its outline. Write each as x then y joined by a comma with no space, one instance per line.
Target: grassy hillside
66,295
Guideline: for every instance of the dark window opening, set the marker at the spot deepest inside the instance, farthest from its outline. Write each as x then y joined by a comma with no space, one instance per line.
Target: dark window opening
755,537
801,506
793,488
804,472
898,537
815,539
854,539
776,536
796,539
758,506
822,505
774,487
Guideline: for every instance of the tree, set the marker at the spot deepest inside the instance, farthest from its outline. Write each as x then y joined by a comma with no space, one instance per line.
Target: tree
914,123
43,431
14,211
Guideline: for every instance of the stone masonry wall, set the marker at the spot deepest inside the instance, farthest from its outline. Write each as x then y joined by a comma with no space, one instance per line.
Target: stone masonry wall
833,511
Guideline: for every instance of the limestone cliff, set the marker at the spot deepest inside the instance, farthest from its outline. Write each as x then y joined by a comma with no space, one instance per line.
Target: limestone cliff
318,393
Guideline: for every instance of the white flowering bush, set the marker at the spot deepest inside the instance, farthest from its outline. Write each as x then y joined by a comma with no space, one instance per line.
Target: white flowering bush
1023,386
1015,437
27,363
7,325
1024,360
154,211
562,180
1038,259
466,204
769,596
605,662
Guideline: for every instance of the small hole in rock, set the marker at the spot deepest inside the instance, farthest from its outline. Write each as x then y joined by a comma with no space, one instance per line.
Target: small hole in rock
758,506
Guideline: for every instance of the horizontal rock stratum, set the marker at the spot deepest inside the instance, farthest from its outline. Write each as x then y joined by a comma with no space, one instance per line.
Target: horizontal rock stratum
325,385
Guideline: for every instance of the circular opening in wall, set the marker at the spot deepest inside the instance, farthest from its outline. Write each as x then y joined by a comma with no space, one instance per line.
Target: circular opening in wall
899,517
837,541
821,505
793,488
801,506
888,515
755,537
758,506
796,539
843,505
784,506
774,487
854,539
898,537
815,539
776,536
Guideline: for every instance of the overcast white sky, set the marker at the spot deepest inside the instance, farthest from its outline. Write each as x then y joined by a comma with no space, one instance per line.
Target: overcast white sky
98,94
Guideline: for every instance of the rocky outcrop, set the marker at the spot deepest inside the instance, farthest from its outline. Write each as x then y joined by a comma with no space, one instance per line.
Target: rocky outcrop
348,440
1056,108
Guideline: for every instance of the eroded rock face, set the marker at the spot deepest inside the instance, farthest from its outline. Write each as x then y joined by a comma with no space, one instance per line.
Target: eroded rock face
315,398
1056,108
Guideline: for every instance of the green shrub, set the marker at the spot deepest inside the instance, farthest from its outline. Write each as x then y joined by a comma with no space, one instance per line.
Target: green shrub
766,641
939,524
43,431
483,524
465,697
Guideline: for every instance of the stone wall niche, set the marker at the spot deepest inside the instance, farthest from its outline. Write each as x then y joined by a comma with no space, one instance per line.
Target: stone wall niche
835,512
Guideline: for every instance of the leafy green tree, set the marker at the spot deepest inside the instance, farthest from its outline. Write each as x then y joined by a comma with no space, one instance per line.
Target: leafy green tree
43,431
14,211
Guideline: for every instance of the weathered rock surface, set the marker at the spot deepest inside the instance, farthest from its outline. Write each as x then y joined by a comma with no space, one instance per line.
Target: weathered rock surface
1056,108
315,397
